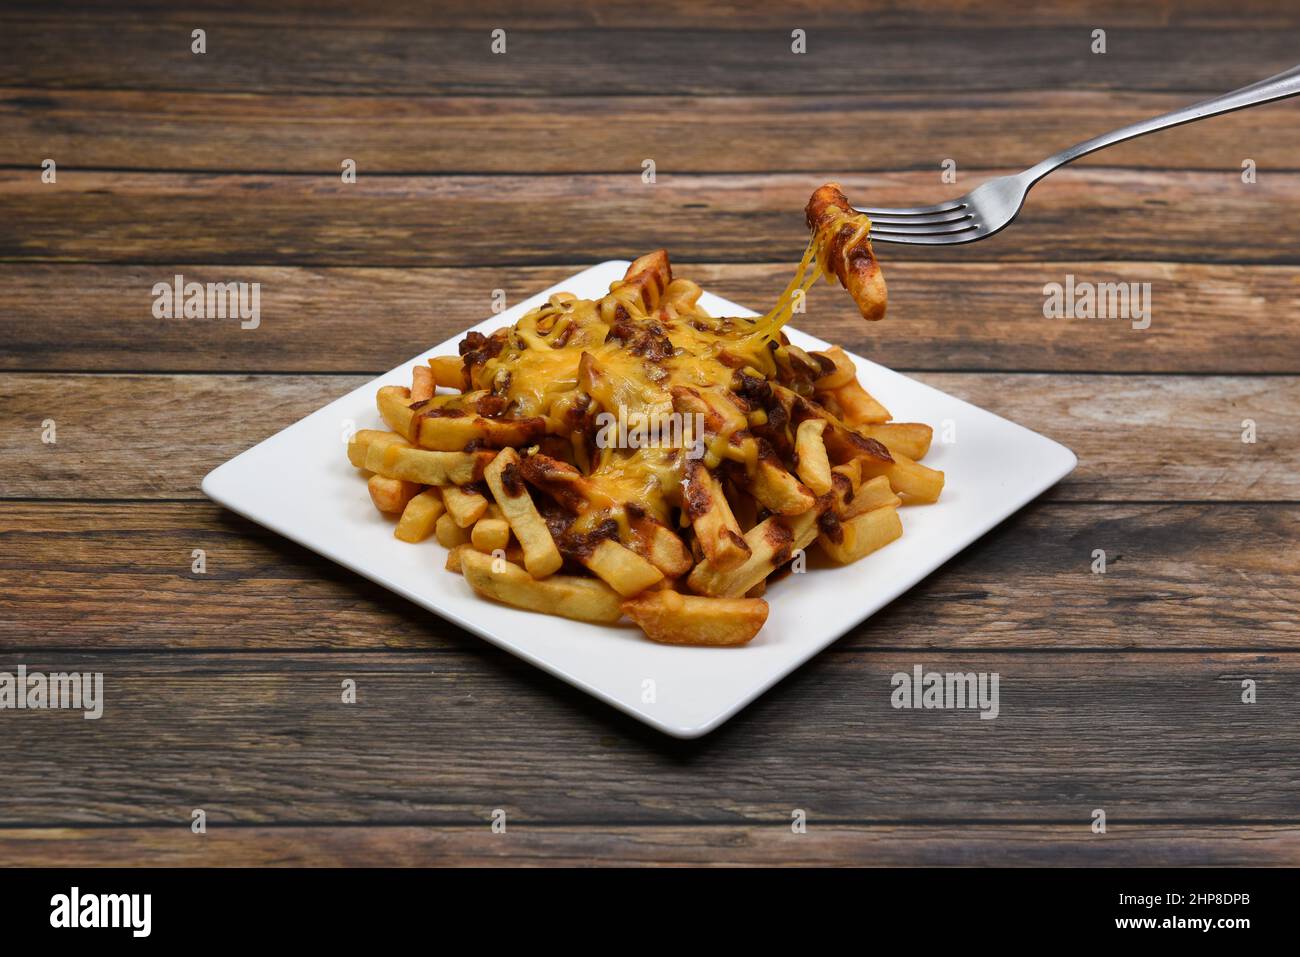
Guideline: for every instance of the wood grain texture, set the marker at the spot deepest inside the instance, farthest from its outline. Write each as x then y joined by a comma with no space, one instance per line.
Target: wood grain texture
758,134
482,172
1084,213
86,577
953,315
880,845
145,53
721,15
1139,438
445,739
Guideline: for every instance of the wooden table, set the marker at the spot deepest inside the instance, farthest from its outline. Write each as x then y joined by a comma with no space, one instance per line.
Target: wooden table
1120,691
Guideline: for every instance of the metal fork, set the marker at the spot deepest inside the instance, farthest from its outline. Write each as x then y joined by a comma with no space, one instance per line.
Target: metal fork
992,205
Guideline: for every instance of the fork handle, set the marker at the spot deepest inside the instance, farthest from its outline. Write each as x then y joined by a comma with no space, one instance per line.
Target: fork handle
1274,88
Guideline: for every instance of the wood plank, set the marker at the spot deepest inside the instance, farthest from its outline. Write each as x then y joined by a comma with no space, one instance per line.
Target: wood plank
229,132
880,845
144,53
722,15
1084,213
446,739
955,315
1140,438
84,577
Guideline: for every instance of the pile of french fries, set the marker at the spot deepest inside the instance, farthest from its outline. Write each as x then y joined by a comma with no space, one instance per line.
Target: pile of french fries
495,454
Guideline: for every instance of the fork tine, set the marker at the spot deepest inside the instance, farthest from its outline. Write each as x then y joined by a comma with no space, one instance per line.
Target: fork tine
952,216
924,229
910,211
929,239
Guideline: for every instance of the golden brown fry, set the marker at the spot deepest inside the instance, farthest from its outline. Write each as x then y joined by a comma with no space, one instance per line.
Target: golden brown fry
903,438
448,372
772,543
911,479
583,599
490,534
504,478
872,494
659,545
394,403
842,373
813,466
858,406
420,516
453,557
464,505
621,568
863,535
448,533
777,490
716,529
422,384
391,495
672,618
849,255
447,429
361,442
404,461
564,483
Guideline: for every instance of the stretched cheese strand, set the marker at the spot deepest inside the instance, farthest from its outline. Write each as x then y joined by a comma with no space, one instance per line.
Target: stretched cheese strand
819,248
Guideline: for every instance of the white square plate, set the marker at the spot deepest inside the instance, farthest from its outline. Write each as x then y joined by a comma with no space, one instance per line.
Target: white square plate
695,689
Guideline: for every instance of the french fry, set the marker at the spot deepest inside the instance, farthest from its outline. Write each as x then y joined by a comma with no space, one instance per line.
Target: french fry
772,543
452,430
490,534
564,483
858,406
901,438
672,618
448,533
391,495
464,505
448,372
453,558
777,490
420,516
716,529
844,370
583,599
813,466
401,460
394,403
422,384
851,471
621,568
863,535
872,494
915,481
659,545
362,440
743,507
377,450
504,478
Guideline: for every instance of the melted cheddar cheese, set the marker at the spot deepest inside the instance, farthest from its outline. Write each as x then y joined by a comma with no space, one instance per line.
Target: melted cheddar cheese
627,352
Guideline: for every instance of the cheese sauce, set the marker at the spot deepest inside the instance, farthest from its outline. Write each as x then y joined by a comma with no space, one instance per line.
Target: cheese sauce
625,354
